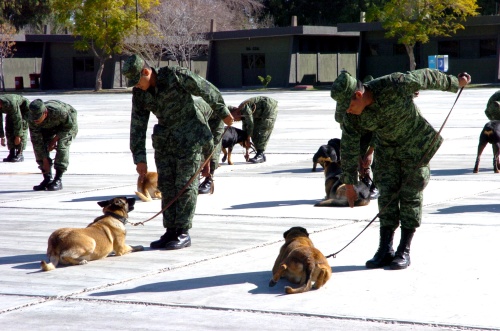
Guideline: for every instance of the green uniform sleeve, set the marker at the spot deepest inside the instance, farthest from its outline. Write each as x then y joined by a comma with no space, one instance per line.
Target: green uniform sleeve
247,118
200,87
138,128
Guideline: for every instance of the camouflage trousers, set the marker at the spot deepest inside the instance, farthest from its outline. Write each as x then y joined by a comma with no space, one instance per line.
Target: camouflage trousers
9,133
175,168
262,132
61,159
399,179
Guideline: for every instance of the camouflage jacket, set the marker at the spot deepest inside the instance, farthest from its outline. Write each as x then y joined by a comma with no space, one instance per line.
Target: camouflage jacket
171,101
256,108
493,107
61,120
399,129
17,107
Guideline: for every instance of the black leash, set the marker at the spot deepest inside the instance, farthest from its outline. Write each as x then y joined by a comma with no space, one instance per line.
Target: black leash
334,255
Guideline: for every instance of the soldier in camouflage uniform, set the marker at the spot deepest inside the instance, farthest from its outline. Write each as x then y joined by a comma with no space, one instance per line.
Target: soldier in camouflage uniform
16,125
217,128
258,115
404,144
53,125
493,107
178,138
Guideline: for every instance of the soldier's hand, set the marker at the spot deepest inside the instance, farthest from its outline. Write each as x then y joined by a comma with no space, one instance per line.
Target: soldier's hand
53,143
17,140
142,169
2,141
350,194
229,120
463,79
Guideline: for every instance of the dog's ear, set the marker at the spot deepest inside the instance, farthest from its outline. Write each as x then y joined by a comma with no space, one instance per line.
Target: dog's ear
303,230
105,203
286,233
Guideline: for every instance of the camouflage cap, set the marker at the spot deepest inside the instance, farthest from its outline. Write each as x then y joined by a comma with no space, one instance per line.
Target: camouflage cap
37,107
132,69
342,90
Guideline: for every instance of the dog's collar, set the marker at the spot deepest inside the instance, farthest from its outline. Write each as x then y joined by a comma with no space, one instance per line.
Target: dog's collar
122,219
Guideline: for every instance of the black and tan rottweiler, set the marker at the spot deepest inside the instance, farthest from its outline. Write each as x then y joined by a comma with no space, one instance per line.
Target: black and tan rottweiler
330,152
300,262
106,234
489,135
336,192
231,137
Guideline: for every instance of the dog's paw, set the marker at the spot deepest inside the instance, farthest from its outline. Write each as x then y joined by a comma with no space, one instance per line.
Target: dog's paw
137,248
272,283
82,262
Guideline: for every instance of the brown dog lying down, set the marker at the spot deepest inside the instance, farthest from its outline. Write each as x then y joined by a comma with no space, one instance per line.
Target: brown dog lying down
336,192
300,262
104,235
147,189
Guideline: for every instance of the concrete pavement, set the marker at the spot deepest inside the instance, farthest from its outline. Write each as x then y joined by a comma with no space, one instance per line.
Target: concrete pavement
221,281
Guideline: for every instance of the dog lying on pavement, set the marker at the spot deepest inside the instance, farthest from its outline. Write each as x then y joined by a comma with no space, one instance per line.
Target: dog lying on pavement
489,135
300,262
106,234
336,192
147,189
231,137
330,151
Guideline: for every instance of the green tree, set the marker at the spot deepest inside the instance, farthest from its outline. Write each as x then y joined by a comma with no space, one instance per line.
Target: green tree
415,21
20,13
7,49
102,25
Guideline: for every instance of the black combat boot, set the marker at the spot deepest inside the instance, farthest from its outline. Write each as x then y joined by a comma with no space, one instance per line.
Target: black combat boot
47,179
56,184
181,241
169,235
12,154
385,253
258,158
402,257
19,156
207,186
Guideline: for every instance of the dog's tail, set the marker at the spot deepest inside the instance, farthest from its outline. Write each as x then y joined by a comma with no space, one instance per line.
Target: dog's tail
47,266
307,284
341,203
145,198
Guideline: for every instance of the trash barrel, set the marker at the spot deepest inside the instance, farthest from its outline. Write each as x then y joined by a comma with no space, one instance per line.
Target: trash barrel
19,83
35,80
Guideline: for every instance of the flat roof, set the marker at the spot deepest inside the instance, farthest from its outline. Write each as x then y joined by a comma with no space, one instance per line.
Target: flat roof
280,31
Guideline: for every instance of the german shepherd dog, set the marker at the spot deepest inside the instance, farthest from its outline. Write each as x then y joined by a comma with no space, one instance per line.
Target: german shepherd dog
489,135
147,188
231,137
106,234
329,152
336,192
300,262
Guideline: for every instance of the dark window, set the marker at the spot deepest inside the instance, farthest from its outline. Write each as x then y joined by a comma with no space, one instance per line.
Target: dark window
487,48
450,48
254,61
372,49
398,49
84,64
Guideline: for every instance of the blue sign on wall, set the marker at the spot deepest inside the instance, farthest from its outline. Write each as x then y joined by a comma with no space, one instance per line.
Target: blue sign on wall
439,62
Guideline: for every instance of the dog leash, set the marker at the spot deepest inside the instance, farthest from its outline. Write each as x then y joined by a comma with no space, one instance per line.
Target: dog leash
182,190
334,255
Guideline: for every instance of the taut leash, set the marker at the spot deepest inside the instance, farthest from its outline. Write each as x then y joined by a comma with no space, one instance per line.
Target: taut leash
334,255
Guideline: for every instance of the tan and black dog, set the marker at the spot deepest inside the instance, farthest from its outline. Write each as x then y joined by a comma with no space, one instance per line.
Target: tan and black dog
336,192
300,262
489,135
106,234
147,189
231,137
